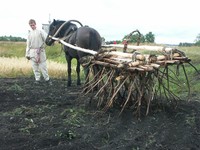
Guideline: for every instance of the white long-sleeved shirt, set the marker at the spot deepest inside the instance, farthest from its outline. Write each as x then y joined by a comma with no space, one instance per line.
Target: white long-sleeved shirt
36,39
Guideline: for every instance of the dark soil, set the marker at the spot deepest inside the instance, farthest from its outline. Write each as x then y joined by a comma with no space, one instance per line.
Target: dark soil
56,117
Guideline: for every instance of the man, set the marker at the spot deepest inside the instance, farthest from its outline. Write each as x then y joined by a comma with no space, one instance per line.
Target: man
125,42
35,51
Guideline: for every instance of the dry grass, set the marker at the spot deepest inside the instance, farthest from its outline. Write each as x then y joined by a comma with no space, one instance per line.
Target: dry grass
16,67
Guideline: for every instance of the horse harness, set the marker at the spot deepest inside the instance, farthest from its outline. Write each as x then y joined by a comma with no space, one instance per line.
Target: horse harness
69,33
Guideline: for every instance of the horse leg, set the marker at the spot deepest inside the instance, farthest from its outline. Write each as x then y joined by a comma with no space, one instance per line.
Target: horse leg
86,73
69,69
96,70
78,72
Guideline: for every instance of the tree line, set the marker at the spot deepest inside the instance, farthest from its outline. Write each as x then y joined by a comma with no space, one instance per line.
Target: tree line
150,38
135,38
12,38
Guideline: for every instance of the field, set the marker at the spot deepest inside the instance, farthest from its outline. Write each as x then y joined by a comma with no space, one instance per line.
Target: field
57,117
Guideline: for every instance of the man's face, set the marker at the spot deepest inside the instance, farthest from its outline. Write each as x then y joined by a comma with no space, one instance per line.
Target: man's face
33,26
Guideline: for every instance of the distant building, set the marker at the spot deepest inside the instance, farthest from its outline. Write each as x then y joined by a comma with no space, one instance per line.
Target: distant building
45,27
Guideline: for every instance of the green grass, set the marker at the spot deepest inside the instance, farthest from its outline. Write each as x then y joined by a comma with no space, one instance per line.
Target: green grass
181,87
12,49
192,53
17,49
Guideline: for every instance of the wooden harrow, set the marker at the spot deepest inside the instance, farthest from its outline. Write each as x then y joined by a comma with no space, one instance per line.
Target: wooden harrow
133,79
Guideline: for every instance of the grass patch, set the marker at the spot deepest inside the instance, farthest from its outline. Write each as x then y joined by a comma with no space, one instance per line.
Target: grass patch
178,80
18,67
17,49
15,87
73,117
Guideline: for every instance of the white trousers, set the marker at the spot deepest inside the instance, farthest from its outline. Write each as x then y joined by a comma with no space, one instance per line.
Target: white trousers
39,65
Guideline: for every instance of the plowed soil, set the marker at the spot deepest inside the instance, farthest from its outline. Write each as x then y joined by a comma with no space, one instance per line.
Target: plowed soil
57,117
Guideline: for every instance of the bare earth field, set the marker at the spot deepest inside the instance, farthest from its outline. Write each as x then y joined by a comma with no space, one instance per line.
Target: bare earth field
43,117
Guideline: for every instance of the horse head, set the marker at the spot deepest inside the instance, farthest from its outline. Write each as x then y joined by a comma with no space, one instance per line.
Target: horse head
59,29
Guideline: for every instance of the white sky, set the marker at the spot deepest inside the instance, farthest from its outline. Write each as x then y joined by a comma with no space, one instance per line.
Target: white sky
171,21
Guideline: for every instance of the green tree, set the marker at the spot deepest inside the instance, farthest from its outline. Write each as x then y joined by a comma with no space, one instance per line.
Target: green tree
197,40
140,37
150,37
135,37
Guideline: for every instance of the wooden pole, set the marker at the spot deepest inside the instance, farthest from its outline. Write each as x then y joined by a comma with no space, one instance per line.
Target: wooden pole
75,47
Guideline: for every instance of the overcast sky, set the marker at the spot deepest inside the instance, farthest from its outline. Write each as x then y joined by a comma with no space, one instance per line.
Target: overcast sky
171,21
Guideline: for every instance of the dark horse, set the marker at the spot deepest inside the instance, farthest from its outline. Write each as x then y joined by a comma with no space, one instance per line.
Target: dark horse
84,37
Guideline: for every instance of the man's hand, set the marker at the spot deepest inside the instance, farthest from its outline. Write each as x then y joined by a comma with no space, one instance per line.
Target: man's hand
27,57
